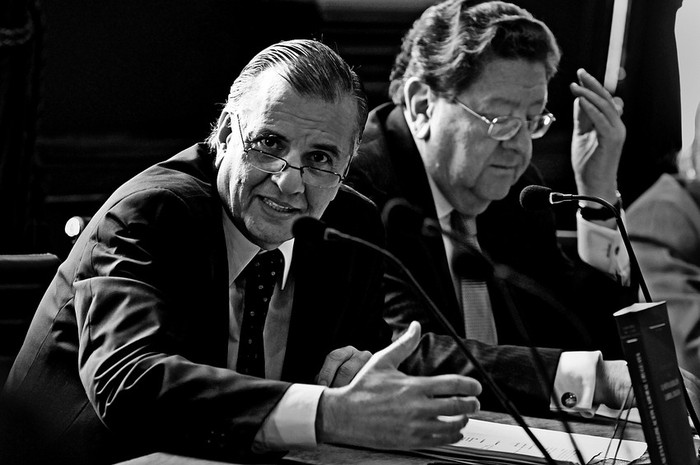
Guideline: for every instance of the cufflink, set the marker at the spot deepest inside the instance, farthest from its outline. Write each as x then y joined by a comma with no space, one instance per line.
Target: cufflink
569,400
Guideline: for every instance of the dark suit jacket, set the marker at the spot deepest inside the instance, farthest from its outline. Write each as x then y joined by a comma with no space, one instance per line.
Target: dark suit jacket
127,351
389,166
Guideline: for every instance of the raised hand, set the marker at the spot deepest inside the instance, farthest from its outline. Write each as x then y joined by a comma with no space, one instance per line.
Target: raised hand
598,138
386,409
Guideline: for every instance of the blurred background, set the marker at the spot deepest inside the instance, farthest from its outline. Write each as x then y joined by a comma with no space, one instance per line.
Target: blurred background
92,92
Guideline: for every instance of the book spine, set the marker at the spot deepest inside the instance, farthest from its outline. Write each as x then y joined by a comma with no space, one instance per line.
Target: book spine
651,360
645,403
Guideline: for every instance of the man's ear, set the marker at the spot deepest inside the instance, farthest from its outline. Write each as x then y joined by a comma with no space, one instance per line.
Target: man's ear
419,106
223,130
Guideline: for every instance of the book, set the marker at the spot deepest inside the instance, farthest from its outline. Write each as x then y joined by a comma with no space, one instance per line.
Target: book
656,380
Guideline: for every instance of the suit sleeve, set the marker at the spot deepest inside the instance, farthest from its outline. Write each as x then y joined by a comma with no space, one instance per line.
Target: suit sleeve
510,367
666,238
149,319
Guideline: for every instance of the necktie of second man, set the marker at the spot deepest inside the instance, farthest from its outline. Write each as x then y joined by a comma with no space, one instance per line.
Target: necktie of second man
476,304
261,274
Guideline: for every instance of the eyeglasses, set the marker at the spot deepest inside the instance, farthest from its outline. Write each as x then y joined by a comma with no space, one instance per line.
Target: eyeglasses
506,127
269,163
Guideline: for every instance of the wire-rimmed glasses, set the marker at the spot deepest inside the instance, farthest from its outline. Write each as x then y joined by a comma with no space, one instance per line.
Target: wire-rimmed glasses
506,127
274,164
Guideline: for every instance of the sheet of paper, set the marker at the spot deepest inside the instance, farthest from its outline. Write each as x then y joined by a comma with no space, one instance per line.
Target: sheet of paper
632,417
495,437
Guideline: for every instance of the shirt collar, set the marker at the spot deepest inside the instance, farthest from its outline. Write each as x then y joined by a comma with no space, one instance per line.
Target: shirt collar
240,251
444,209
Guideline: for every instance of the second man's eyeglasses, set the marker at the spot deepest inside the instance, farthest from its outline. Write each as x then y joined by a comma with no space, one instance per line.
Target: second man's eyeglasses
506,127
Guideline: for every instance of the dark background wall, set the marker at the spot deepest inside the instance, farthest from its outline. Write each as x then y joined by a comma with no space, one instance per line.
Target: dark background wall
103,89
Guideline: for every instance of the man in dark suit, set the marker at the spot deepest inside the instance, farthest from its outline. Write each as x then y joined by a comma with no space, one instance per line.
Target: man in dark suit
469,91
145,339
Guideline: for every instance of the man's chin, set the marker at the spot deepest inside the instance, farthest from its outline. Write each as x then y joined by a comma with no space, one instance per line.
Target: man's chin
270,236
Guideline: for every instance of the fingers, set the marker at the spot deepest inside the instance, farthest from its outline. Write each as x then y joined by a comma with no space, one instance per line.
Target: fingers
597,103
447,407
451,385
341,366
445,430
437,430
619,105
401,348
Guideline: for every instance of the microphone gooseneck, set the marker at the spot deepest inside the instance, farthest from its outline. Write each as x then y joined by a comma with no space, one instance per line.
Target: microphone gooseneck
333,234
536,197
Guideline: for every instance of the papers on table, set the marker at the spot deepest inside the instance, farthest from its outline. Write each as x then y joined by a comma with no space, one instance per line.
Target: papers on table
488,442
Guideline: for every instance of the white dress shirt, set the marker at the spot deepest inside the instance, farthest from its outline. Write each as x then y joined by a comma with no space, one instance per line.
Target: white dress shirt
292,423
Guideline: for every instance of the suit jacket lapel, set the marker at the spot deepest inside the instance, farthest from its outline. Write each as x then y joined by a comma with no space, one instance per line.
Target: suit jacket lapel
315,289
413,184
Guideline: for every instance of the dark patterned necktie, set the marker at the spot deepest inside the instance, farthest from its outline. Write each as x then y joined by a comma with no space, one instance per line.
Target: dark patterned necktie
476,304
261,274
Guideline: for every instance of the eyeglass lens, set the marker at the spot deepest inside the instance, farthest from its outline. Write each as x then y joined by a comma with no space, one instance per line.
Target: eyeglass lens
310,175
506,127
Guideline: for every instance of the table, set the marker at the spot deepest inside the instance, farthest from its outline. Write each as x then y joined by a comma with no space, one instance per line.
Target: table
337,455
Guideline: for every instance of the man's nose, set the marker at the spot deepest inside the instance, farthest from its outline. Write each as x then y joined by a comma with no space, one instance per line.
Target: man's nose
289,181
520,142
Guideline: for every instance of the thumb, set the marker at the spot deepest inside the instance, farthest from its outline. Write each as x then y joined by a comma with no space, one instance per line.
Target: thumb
401,348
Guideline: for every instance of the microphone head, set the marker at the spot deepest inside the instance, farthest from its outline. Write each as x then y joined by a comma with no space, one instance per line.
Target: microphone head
308,228
535,197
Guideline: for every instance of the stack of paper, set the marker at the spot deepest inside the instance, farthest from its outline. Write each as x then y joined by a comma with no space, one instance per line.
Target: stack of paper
489,443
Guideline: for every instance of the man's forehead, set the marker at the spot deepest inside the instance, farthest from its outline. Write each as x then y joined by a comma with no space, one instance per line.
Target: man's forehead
269,85
510,82
298,118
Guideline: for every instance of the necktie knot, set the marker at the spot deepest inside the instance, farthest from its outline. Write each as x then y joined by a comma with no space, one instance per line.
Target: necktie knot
464,227
264,270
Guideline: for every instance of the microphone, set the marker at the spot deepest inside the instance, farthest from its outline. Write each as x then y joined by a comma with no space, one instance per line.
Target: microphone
536,197
539,197
310,229
472,263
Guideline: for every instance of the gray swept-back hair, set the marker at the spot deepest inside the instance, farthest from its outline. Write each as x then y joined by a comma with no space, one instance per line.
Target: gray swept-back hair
311,68
448,47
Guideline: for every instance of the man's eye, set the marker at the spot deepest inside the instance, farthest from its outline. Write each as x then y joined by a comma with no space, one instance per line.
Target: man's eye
320,160
268,144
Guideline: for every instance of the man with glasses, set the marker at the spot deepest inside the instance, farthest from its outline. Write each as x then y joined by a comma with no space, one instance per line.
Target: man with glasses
469,91
186,318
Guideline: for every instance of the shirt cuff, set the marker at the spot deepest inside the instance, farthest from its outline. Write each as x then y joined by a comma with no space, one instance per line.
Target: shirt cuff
292,423
574,382
603,248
